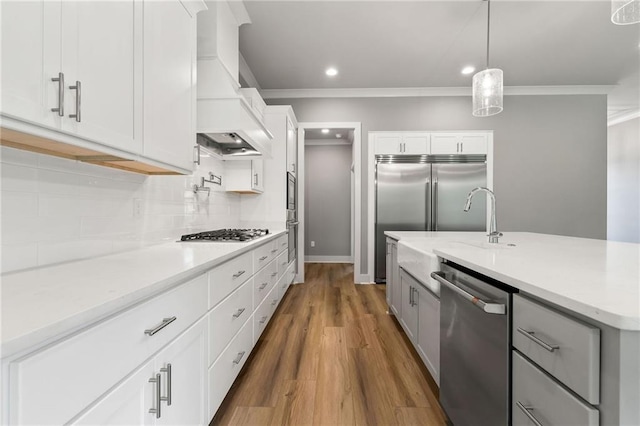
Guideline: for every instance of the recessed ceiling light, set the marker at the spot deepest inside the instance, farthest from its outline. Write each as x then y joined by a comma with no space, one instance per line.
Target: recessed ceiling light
325,131
468,70
331,72
338,135
238,140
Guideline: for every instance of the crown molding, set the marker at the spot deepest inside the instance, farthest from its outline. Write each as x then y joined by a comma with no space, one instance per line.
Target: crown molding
622,116
409,92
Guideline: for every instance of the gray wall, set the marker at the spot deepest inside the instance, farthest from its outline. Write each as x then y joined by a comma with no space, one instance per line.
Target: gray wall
550,152
327,200
623,182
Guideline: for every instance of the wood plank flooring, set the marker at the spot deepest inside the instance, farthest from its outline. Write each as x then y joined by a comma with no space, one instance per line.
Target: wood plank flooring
331,355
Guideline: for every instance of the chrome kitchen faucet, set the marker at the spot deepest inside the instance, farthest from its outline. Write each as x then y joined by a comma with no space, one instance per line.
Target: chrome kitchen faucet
493,231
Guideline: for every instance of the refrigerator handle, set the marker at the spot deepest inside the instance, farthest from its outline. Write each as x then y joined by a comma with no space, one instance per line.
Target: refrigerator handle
428,209
435,203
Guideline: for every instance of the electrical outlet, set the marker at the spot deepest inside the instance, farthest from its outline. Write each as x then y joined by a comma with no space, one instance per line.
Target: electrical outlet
313,243
137,207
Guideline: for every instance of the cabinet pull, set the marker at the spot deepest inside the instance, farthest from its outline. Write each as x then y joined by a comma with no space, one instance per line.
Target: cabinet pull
530,335
414,290
167,370
284,244
238,313
526,411
158,381
274,274
78,89
263,319
196,154
410,296
262,286
461,146
255,180
263,258
274,250
165,322
239,357
60,80
236,275
293,167
274,302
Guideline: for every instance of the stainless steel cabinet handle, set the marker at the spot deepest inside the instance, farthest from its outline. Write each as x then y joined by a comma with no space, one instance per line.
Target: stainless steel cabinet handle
263,257
274,250
239,357
158,381
263,319
530,335
60,80
293,167
410,296
78,89
238,312
283,264
490,308
435,204
167,370
165,322
415,291
274,302
526,411
262,286
196,154
255,180
274,274
283,244
237,274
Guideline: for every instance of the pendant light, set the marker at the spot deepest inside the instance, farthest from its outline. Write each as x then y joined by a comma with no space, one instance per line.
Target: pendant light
487,84
625,12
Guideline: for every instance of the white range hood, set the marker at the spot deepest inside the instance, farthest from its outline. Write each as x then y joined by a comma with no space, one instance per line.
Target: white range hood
222,106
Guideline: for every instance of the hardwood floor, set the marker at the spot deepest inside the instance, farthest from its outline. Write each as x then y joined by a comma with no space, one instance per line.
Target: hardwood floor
332,356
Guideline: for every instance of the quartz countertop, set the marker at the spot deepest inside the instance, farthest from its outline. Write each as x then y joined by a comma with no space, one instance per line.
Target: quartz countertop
595,278
43,304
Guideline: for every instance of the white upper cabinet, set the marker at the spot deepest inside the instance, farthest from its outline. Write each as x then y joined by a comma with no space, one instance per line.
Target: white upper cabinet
458,143
30,60
402,143
103,71
169,64
244,176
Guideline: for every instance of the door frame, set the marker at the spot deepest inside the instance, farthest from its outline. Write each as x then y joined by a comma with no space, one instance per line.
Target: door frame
300,179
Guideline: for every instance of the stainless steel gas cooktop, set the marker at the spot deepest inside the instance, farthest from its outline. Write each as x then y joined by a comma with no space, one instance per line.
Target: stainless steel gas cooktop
226,235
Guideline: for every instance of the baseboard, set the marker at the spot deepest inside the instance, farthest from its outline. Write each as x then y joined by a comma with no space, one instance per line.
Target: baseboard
363,279
328,259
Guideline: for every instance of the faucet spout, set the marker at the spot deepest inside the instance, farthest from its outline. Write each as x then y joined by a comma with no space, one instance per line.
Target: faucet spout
493,227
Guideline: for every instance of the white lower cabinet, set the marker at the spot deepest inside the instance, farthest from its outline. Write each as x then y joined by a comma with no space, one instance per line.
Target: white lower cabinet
420,319
175,396
538,399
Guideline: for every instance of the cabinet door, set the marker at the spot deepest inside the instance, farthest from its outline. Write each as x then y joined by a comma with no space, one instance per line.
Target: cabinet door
429,331
188,374
292,147
396,288
458,143
257,175
415,143
473,144
30,59
127,404
102,49
169,53
388,143
409,315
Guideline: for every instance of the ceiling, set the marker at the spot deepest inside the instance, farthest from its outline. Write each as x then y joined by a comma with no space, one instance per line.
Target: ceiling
425,44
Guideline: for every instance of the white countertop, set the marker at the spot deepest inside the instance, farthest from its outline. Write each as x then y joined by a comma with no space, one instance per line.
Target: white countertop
596,278
45,303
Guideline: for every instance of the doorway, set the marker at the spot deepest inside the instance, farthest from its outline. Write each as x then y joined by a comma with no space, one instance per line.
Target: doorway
329,194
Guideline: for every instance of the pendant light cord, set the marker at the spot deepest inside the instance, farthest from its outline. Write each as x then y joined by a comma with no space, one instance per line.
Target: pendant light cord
488,26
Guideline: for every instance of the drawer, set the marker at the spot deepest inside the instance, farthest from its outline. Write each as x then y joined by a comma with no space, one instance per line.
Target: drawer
263,255
282,242
545,399
229,276
282,261
263,282
53,385
226,368
226,319
576,359
261,317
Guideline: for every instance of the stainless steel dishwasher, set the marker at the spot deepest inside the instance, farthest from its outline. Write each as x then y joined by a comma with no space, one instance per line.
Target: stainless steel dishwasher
475,356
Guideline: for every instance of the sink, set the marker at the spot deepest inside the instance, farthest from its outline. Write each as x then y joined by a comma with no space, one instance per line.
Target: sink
418,259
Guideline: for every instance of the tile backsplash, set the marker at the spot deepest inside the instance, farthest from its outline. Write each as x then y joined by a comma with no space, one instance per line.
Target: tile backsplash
56,210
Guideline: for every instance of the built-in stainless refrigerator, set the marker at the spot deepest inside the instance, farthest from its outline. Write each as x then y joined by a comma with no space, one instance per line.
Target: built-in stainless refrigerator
426,193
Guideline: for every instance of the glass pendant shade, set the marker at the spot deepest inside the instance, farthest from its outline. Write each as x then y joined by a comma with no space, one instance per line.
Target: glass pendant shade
487,92
625,12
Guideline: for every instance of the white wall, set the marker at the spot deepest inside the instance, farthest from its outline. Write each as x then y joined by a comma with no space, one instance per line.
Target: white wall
56,210
623,181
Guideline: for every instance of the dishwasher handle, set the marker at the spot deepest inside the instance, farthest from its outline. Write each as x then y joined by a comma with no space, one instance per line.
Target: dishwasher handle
490,308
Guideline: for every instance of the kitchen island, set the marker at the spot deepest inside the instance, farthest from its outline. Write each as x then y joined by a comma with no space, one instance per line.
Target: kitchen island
594,282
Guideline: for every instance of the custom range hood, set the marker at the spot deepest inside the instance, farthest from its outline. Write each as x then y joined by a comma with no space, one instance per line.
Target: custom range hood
230,120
